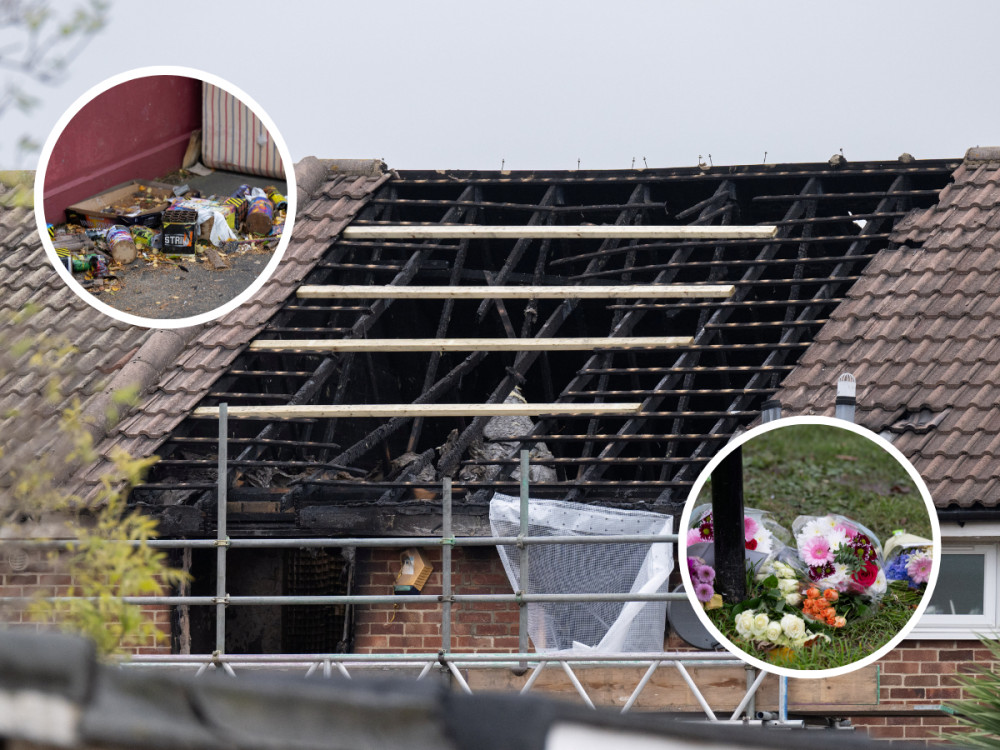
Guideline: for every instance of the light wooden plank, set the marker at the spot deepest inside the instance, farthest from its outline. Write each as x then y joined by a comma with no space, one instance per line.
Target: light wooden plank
336,411
472,231
585,343
723,688
621,291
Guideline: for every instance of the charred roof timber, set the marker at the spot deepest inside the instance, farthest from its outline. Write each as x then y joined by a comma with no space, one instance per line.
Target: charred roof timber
728,357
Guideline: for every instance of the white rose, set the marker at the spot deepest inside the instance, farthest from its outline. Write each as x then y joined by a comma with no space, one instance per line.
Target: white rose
787,585
792,626
783,571
773,631
744,623
760,623
793,599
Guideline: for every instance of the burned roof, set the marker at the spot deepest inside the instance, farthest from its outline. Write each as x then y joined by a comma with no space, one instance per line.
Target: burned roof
919,333
171,369
322,475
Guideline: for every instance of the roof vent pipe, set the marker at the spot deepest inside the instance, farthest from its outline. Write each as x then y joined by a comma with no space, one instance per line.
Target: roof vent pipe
847,388
770,411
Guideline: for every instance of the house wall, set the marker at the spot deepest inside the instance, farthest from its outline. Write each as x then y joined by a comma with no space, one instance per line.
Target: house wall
387,628
137,130
33,575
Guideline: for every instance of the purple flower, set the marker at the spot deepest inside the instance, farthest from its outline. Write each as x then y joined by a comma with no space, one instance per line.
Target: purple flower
704,592
705,574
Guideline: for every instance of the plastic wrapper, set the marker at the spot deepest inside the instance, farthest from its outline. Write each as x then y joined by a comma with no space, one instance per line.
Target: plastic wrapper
910,559
835,552
764,537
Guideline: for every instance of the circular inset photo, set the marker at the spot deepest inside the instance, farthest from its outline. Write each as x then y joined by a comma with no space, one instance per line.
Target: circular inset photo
161,197
809,547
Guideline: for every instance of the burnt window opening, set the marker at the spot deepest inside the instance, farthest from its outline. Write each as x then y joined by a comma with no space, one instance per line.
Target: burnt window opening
267,629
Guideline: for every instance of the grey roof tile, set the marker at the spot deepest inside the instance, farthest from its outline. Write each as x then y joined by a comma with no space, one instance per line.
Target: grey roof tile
920,329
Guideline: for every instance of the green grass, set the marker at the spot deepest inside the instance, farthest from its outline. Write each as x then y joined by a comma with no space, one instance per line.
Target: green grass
818,469
847,645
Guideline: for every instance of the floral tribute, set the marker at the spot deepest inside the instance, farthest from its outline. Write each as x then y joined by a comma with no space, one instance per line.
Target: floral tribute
840,554
790,631
910,560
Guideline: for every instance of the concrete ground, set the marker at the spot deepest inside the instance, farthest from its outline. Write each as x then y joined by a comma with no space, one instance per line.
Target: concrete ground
160,288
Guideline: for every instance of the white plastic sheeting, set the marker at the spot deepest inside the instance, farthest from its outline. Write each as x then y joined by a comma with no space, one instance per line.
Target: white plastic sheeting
607,627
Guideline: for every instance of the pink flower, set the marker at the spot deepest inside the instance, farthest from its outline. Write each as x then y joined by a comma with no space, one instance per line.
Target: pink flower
919,568
750,528
694,537
704,592
816,551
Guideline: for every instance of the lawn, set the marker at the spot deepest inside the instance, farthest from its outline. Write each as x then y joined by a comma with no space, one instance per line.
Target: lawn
815,470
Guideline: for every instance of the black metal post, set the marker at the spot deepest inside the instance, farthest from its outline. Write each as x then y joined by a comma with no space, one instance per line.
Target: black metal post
727,518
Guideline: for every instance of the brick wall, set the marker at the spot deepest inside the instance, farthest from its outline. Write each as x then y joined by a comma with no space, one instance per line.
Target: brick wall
921,673
408,628
32,574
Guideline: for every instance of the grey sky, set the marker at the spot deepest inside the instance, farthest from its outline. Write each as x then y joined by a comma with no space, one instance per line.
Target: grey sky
542,84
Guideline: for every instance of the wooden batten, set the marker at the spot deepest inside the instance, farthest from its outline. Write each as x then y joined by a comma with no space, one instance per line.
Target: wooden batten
385,411
638,232
619,291
470,345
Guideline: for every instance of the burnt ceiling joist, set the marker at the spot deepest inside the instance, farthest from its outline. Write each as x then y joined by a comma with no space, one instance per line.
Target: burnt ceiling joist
831,222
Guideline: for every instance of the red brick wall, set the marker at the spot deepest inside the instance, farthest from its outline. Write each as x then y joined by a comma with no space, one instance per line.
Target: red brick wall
36,579
408,628
921,673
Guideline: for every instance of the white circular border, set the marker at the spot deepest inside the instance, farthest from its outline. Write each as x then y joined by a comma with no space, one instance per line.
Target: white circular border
692,500
91,299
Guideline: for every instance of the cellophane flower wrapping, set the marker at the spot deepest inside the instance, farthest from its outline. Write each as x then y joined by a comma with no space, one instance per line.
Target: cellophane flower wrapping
763,536
839,553
909,559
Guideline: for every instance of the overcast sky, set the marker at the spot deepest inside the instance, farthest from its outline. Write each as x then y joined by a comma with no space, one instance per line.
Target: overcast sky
539,85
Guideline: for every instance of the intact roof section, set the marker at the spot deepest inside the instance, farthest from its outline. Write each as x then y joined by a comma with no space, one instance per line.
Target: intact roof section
919,331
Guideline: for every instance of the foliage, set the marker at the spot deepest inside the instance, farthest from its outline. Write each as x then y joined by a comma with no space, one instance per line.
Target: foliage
38,45
108,557
980,710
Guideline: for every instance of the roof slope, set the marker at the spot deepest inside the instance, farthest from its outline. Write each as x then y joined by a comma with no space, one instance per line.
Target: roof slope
919,333
173,369
364,475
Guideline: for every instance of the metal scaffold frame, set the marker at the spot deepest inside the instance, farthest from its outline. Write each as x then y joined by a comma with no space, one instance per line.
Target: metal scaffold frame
447,660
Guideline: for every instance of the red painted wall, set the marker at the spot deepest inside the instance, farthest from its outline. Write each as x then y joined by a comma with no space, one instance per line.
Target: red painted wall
136,130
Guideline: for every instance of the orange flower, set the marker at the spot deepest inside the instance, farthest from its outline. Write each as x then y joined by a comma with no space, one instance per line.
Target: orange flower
831,595
813,592
839,621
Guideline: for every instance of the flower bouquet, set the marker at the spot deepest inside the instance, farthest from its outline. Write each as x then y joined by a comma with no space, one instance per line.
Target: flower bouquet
790,631
909,559
762,536
842,556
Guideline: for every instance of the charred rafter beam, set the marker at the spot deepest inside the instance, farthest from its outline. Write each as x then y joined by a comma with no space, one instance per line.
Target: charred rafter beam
524,360
652,403
368,320
790,336
625,324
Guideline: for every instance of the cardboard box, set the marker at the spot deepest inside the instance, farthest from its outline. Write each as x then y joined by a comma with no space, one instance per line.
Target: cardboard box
98,212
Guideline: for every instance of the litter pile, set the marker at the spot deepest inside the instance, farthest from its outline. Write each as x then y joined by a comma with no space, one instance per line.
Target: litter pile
163,224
